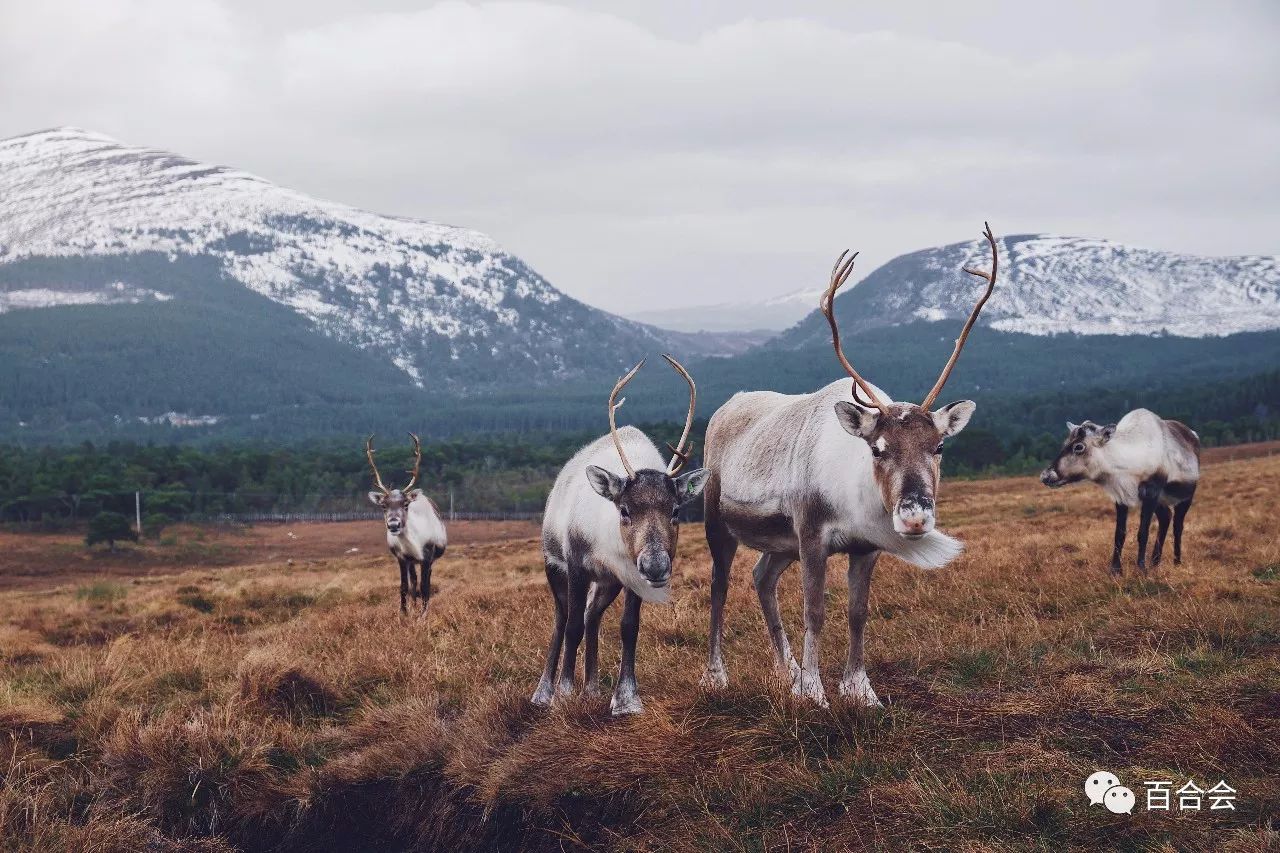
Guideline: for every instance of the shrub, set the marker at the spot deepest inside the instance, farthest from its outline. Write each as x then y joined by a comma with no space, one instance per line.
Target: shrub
110,527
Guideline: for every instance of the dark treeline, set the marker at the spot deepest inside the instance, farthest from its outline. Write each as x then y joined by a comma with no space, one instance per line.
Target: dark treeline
514,472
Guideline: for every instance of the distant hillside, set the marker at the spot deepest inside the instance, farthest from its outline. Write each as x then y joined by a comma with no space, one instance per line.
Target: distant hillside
84,218
147,296
1051,285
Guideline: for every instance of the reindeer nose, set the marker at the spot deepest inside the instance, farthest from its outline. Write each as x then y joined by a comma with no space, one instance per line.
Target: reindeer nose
655,568
914,517
1049,476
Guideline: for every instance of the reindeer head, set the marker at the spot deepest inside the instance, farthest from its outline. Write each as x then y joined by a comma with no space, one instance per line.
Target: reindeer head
649,500
395,502
1079,458
905,439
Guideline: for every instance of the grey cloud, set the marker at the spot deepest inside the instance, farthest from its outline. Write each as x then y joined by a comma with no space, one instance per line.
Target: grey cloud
640,152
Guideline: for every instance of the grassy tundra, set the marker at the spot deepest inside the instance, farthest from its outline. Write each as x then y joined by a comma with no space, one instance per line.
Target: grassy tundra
222,698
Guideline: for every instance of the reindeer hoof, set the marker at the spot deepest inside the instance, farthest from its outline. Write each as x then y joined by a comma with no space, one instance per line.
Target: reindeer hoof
542,697
714,678
857,689
622,706
809,686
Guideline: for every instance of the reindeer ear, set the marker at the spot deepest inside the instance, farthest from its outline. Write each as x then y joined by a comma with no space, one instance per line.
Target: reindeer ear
606,483
378,499
689,484
413,495
953,417
1071,428
855,419
1107,431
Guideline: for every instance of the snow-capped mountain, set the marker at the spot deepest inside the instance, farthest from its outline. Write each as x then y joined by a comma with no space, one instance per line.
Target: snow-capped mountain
1053,285
445,305
770,315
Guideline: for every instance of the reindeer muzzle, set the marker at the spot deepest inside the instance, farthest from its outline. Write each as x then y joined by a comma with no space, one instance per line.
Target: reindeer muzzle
655,568
913,517
1051,478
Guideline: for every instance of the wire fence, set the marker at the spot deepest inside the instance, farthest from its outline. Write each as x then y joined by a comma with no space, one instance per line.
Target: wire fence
307,517
167,506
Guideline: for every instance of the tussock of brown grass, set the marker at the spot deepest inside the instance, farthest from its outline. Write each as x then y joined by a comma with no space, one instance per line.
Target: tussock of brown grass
290,707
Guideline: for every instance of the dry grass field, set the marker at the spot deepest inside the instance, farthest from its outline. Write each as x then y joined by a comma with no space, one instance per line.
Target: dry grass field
243,701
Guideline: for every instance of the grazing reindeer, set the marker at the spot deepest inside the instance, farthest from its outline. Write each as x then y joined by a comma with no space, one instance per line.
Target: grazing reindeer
787,480
596,548
415,533
1143,461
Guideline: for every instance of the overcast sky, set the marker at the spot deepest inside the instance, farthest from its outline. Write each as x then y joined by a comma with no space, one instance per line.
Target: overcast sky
664,153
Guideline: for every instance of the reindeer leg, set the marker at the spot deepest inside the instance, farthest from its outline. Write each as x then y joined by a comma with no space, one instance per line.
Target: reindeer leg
413,579
558,581
723,547
1179,516
626,695
578,583
404,586
768,571
1122,518
424,581
1149,492
855,684
813,564
1163,516
599,598
1148,509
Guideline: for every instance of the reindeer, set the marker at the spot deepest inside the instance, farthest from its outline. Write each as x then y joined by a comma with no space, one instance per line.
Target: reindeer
594,548
1142,461
812,475
415,533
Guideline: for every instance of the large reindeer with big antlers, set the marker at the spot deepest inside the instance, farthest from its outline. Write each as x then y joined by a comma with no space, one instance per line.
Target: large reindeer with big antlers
833,472
415,533
594,549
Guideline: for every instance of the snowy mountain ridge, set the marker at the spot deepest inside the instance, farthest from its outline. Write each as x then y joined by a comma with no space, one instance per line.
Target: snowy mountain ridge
1052,284
424,293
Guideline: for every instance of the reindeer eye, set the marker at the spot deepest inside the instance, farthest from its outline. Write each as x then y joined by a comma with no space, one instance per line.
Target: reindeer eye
625,513
1078,448
937,451
875,451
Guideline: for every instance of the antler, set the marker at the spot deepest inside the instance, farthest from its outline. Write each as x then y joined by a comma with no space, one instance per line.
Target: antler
377,478
680,453
613,427
417,462
990,278
839,274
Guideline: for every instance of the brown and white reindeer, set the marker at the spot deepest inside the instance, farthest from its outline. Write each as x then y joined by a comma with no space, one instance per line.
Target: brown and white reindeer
1143,461
843,470
610,526
415,533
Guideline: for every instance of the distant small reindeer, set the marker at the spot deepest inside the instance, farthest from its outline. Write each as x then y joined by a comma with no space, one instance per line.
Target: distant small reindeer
843,470
1143,461
593,548
415,533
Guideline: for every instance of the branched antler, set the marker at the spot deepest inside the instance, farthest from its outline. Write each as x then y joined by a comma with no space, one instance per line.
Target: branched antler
413,475
613,426
377,478
680,453
839,274
417,462
990,279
